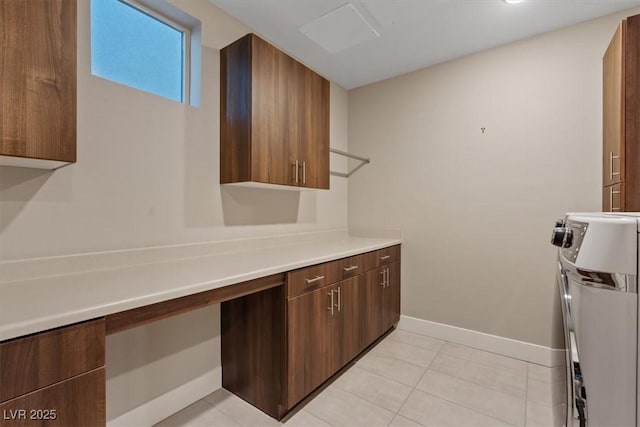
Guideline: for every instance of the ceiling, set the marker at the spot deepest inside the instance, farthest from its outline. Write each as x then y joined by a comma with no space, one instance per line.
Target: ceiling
399,36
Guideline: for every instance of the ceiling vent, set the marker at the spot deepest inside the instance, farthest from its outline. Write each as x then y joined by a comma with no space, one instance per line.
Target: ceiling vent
340,29
383,11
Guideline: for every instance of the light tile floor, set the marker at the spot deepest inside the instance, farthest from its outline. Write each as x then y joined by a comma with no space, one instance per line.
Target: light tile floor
410,380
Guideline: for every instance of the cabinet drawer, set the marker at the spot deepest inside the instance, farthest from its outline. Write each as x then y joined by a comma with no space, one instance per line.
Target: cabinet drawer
382,257
49,357
310,278
349,267
79,401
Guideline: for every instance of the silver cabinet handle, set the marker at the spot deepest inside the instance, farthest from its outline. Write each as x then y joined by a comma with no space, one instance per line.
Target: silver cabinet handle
611,193
296,166
315,279
339,303
331,302
387,277
350,268
304,172
384,257
610,199
611,157
382,284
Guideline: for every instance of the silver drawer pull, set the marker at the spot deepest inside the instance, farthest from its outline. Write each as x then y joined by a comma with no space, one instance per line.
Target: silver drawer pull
315,279
331,304
384,257
351,268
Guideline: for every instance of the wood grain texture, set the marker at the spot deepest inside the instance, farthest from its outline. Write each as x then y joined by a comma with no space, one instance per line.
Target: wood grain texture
273,120
313,345
77,402
235,111
350,267
351,334
631,117
254,349
391,303
372,306
36,361
613,109
38,79
313,142
150,313
274,117
381,257
308,279
303,334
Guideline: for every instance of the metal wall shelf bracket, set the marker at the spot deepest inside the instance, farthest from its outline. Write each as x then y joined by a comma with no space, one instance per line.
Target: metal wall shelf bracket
364,161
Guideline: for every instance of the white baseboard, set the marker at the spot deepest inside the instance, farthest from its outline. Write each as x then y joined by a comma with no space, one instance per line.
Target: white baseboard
505,346
169,403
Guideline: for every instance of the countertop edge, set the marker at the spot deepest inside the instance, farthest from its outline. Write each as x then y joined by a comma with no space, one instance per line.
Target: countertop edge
10,330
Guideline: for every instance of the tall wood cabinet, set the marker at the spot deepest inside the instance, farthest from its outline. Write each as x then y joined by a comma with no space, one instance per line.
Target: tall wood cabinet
621,119
320,320
274,117
37,83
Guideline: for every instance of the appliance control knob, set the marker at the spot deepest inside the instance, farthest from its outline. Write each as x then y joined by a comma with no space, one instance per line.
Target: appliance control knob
562,237
561,223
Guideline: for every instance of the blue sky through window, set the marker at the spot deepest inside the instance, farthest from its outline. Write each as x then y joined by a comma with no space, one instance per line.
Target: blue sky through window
130,47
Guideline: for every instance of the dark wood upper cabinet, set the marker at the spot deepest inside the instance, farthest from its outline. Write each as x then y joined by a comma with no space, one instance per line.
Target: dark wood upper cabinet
274,117
37,83
621,119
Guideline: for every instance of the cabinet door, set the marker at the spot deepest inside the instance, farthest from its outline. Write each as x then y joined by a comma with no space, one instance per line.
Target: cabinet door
313,348
313,119
613,109
372,306
38,79
391,303
350,323
273,115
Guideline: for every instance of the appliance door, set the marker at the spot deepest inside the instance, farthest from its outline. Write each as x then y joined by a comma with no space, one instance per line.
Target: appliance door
600,324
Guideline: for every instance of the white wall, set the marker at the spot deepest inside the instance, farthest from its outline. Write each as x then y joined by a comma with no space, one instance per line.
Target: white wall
148,174
476,209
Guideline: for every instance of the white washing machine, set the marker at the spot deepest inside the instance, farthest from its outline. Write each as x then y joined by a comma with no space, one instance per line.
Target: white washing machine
598,282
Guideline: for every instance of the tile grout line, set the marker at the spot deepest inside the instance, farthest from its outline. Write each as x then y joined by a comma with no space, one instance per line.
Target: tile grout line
414,388
483,364
470,382
385,377
479,384
367,400
465,406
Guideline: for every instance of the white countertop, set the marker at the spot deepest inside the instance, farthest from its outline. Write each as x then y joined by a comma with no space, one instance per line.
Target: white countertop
44,293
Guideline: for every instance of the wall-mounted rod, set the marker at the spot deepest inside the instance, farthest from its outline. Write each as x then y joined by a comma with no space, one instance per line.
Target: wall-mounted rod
364,161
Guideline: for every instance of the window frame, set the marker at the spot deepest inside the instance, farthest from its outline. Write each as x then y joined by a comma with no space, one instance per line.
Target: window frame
186,43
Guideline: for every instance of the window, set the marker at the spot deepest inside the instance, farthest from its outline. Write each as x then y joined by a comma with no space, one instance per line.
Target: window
137,47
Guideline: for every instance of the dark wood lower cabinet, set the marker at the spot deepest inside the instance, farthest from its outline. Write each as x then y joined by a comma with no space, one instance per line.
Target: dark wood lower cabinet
254,349
391,297
279,345
280,342
313,350
79,401
39,360
372,321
